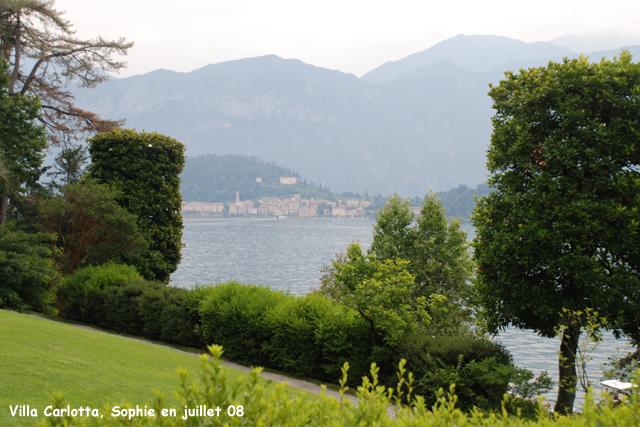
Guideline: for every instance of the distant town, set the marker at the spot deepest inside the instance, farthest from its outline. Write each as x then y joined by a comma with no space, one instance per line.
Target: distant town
294,206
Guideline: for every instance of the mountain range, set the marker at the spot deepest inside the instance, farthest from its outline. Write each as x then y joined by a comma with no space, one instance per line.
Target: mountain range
417,124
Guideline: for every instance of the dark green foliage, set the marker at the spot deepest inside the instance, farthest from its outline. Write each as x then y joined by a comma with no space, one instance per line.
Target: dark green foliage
114,296
449,348
145,167
22,142
27,276
460,202
342,337
480,369
78,293
92,227
559,235
312,336
211,178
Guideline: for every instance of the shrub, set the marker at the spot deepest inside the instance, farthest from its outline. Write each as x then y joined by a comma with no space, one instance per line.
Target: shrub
27,276
233,315
114,296
480,369
342,337
313,336
79,295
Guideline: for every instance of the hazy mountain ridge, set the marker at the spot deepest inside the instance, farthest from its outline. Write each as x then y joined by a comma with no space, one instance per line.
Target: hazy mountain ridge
472,53
426,129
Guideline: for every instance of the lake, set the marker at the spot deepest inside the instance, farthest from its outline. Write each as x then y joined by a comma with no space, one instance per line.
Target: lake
289,254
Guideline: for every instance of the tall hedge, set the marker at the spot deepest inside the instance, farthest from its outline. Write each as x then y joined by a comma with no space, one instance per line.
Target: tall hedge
146,168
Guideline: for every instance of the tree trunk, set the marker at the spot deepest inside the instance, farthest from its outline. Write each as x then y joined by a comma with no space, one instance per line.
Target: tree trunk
4,205
567,370
18,54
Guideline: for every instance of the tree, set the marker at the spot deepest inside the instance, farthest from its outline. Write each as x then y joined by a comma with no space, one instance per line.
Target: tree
414,270
382,292
92,228
45,57
22,141
69,167
560,232
437,251
145,167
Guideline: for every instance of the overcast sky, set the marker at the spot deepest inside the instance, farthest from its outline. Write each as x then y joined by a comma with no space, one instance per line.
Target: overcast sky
353,36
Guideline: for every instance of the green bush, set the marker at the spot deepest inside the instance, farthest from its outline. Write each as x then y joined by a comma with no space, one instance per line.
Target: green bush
481,369
341,336
27,276
79,294
311,336
233,315
114,296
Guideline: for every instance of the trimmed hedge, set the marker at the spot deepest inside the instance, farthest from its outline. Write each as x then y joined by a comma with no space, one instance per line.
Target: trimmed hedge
146,168
311,336
115,297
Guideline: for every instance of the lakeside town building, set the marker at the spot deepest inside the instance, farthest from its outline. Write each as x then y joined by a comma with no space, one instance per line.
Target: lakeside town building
276,207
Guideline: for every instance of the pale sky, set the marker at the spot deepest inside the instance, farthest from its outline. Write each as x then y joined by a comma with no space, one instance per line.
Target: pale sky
353,36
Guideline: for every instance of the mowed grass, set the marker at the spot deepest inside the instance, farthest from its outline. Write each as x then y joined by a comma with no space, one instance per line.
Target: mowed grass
40,356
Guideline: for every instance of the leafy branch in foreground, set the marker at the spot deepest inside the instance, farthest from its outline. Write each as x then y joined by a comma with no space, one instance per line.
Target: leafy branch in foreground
252,404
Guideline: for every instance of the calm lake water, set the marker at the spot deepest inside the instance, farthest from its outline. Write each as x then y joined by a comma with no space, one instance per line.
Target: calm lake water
289,254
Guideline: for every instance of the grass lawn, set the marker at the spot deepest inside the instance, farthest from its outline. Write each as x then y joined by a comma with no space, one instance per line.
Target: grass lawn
40,356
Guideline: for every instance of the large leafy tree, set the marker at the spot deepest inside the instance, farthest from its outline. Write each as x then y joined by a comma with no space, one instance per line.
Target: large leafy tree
559,235
436,248
146,168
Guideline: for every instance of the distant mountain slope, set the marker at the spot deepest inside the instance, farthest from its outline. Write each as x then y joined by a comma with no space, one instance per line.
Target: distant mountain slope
211,178
472,53
428,128
331,127
460,202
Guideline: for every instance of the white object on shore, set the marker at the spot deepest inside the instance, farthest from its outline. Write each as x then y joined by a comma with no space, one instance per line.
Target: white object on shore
615,386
